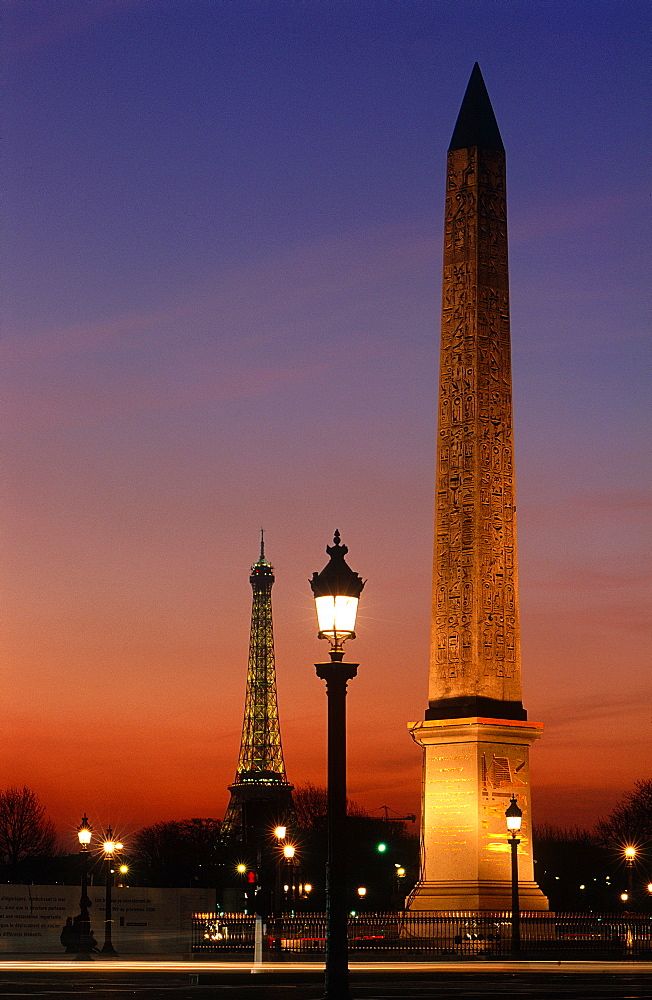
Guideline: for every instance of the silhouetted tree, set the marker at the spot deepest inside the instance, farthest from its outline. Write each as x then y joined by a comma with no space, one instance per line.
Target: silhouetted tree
172,852
631,821
311,804
25,830
367,866
573,869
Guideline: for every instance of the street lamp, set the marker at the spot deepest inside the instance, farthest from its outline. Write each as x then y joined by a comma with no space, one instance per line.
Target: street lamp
109,847
84,942
629,853
514,816
288,856
280,834
336,591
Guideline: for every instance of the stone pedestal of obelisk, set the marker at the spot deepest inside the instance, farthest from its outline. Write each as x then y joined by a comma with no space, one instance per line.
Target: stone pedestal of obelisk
475,736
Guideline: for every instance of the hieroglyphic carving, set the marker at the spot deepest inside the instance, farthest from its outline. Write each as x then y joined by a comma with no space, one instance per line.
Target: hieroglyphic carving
475,649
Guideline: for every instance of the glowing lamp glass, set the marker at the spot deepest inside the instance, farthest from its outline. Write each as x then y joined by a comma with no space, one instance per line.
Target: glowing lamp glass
280,832
336,616
84,833
124,869
109,846
362,891
630,853
241,869
513,816
288,851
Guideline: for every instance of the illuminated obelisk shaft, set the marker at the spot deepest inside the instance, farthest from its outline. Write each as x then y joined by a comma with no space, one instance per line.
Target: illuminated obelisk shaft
475,735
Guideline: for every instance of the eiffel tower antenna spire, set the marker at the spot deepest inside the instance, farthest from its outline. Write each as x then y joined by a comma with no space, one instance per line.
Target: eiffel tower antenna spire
260,795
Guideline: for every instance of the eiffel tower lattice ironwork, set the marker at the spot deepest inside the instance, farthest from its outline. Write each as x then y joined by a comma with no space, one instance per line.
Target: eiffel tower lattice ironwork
261,795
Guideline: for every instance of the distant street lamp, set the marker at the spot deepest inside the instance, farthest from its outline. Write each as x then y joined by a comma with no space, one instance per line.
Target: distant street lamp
109,847
514,816
630,856
288,855
336,591
84,942
280,834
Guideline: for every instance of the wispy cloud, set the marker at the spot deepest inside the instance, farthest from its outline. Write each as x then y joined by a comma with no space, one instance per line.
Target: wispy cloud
247,330
565,713
33,25
579,507
573,215
331,284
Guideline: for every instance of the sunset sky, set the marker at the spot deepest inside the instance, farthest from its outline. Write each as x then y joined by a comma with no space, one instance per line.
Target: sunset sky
223,230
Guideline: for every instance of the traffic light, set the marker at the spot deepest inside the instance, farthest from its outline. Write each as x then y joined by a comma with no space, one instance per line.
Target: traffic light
381,848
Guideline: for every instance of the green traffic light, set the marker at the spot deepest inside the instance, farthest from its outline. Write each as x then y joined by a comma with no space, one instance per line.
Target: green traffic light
382,848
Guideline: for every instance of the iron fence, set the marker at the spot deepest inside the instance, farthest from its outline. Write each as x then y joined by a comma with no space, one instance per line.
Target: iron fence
433,935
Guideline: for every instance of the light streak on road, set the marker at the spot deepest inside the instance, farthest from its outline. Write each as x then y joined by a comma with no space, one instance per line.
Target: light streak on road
194,967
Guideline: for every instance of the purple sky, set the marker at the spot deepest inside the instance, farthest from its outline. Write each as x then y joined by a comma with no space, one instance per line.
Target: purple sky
223,228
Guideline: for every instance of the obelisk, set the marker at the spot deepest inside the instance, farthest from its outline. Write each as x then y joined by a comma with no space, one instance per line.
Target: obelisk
475,736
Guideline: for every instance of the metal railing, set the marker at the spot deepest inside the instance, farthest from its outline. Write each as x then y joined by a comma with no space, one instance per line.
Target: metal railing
430,935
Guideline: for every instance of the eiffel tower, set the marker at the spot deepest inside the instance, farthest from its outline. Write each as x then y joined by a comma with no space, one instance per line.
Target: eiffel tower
261,797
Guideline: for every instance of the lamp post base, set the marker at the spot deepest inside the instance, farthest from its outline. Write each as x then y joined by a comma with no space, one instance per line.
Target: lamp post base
516,911
336,980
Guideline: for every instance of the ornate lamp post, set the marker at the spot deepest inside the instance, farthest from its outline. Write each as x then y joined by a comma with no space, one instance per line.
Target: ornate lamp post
110,847
336,591
288,855
514,816
630,856
84,942
279,833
